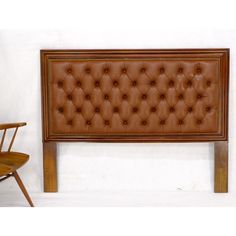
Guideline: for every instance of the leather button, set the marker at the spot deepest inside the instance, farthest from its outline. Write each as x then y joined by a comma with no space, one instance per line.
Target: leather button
115,83
153,83
180,70
162,122
199,70
78,84
171,83
153,109
190,109
208,109
199,121
106,97
97,109
143,70
162,70
87,96
134,83
78,110
106,70
125,122
60,84
60,109
88,122
124,70
69,70
208,83
97,83
162,96
116,109
181,96
106,122
87,70
199,96
189,83
144,122
144,96
125,96
69,97
180,122
172,109
69,122
135,109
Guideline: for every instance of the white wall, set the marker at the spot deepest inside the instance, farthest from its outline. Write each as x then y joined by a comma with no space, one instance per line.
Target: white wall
95,167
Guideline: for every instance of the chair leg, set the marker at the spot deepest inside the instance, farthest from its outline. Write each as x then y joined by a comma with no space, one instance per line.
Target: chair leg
22,187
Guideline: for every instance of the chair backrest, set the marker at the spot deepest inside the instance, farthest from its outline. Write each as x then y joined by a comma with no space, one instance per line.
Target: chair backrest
6,127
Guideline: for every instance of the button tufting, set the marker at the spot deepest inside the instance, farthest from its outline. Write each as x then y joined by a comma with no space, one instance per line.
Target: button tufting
97,83
115,83
199,70
144,122
190,109
162,70
153,83
199,121
162,122
106,122
181,96
87,70
171,83
125,122
78,110
189,83
60,109
60,84
152,101
116,109
144,96
199,96
153,109
97,109
69,97
88,122
162,96
69,70
208,83
134,83
124,96
69,122
78,84
87,96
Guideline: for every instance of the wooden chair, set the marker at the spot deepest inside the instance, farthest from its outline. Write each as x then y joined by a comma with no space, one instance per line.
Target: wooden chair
10,161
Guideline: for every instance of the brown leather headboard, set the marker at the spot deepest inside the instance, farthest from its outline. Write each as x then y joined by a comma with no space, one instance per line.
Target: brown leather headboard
135,95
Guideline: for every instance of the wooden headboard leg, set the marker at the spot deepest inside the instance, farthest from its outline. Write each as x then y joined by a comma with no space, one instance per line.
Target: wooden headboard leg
221,167
50,166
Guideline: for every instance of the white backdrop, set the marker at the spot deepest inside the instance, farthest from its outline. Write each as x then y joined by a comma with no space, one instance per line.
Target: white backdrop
166,171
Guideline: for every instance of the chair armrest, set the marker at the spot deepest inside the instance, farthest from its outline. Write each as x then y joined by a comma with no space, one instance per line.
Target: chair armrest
11,125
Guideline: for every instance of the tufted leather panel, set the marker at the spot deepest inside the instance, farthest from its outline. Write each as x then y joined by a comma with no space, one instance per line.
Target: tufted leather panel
181,94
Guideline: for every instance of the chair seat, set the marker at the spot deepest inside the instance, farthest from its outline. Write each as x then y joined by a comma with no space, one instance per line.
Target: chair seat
12,160
5,170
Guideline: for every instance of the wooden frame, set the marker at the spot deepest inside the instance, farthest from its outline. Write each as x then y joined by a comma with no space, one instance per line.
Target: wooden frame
220,138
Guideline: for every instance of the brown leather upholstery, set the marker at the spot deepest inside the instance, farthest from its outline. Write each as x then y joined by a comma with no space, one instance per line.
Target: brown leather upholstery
178,94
